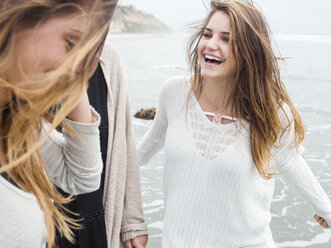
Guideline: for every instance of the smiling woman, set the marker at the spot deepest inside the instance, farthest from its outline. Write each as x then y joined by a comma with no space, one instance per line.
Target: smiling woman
48,50
229,129
214,49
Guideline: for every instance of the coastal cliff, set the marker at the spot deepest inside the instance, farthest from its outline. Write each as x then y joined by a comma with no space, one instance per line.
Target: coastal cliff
127,19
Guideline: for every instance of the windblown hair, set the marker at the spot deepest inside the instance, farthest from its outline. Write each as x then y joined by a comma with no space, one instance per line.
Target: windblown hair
258,94
28,108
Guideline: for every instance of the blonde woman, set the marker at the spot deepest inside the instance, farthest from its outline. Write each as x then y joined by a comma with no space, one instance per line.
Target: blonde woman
48,51
228,130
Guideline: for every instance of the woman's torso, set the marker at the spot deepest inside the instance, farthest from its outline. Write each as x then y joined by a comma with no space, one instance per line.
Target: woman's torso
214,195
21,218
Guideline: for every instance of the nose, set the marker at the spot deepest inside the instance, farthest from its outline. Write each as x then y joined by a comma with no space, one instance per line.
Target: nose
212,44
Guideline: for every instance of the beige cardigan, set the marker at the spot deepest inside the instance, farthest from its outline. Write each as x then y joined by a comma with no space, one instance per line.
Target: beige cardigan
122,190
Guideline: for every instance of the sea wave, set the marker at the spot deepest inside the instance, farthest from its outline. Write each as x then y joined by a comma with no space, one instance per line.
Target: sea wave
165,66
321,238
314,38
315,109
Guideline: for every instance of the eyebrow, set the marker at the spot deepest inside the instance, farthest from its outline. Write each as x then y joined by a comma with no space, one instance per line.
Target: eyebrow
75,33
76,30
224,32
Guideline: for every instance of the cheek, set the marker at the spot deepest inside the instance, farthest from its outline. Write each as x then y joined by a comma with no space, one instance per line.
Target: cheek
24,62
49,55
34,58
200,50
40,55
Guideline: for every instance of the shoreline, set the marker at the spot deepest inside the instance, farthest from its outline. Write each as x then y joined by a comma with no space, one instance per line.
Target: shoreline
277,37
119,36
328,245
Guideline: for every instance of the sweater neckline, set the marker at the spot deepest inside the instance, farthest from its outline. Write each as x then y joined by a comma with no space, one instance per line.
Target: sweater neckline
16,189
207,123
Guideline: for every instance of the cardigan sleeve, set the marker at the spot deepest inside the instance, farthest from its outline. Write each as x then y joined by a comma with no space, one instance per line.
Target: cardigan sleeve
133,223
74,164
154,138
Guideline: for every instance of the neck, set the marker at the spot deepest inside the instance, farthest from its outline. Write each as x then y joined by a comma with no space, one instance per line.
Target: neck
214,96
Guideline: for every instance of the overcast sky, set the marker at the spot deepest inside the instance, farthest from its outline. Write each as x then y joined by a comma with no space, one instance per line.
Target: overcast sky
284,16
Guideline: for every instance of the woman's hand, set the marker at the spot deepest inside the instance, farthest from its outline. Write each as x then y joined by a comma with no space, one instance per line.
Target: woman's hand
82,112
137,242
321,221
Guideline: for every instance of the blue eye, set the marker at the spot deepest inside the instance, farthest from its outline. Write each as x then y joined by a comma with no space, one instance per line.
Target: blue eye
226,40
207,35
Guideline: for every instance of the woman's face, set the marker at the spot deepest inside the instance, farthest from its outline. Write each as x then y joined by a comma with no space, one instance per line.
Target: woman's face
215,57
42,48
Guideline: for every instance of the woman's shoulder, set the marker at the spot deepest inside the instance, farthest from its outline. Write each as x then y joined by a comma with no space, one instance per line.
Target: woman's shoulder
285,114
110,54
176,84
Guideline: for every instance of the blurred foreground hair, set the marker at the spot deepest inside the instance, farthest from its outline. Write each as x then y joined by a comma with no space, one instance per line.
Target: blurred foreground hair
24,115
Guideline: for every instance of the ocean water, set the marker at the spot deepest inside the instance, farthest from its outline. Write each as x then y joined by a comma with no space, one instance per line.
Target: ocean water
150,59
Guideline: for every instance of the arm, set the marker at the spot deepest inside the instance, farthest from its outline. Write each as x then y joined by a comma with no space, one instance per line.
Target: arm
152,141
134,228
132,224
298,175
75,165
154,138
291,165
82,112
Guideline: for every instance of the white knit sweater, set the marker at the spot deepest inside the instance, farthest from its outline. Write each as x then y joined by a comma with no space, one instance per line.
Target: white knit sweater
75,167
214,195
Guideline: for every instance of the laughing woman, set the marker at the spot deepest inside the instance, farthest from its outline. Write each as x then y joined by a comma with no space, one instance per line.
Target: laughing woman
228,130
48,50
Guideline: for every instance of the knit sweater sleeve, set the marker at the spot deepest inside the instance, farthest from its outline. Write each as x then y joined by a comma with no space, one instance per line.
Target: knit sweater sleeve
299,176
74,164
133,223
154,138
289,163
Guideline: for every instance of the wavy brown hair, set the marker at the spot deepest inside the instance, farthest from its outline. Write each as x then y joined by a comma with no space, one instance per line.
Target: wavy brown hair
258,94
27,109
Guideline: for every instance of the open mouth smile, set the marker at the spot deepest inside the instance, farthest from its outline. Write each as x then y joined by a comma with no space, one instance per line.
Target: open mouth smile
212,59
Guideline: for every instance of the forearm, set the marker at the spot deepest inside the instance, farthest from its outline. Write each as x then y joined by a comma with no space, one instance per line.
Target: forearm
153,140
133,223
75,164
82,111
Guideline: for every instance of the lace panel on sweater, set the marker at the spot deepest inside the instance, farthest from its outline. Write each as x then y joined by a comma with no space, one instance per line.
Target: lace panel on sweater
210,140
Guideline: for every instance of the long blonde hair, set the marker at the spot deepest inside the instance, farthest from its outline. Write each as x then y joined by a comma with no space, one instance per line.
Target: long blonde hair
258,94
23,117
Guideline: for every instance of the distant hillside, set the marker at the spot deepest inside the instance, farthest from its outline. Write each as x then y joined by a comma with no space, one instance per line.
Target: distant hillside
127,19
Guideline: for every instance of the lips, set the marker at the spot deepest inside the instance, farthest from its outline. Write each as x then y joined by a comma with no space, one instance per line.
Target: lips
212,59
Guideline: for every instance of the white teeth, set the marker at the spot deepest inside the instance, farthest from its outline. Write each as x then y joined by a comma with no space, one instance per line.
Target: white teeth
212,57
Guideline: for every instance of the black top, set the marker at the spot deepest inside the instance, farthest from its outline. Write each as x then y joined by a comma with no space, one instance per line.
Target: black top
89,206
97,93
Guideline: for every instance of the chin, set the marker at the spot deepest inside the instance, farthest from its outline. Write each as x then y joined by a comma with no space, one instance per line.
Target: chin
212,76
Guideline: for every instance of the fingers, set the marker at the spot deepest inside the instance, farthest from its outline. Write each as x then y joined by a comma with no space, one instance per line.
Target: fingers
140,241
321,221
128,244
137,244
